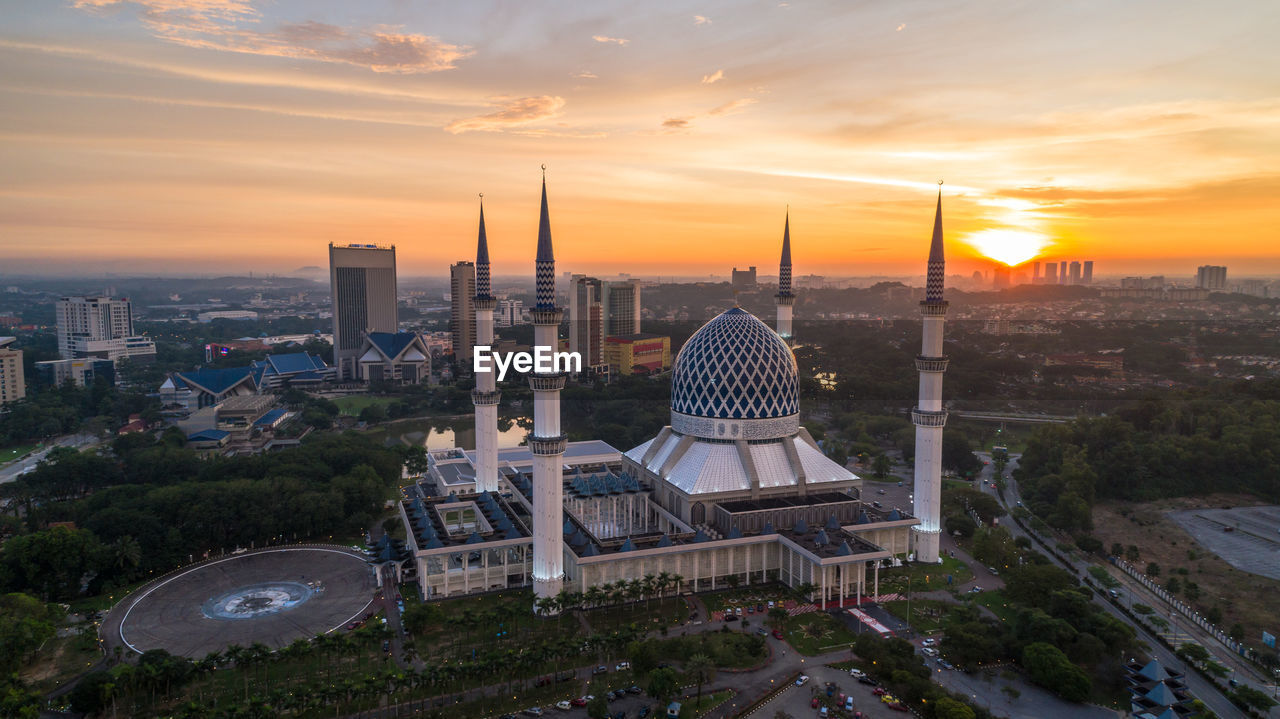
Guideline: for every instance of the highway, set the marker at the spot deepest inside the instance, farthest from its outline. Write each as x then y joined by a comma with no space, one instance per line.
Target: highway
1202,689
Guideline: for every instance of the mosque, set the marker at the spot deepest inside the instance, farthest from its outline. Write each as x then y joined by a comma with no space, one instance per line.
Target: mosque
734,486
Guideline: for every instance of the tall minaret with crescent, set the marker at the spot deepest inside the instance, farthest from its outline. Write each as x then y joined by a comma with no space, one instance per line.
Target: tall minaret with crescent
546,442
929,417
485,396
785,298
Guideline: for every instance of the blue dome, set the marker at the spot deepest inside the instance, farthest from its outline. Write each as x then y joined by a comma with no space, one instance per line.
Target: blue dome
735,367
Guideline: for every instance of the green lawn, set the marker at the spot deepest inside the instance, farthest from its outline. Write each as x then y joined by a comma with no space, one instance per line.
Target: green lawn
727,650
8,454
926,614
996,602
352,404
654,614
816,633
694,708
925,577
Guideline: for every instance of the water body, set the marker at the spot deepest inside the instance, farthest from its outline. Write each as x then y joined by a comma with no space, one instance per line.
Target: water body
444,432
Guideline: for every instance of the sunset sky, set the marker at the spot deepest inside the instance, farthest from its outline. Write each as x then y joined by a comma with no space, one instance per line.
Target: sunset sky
197,136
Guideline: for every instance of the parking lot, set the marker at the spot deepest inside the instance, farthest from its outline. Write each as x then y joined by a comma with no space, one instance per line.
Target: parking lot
798,701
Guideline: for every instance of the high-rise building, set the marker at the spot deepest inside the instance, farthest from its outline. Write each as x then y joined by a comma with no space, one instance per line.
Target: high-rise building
785,298
1075,272
929,416
1088,272
1035,273
1000,277
1051,273
620,308
13,385
362,280
509,313
744,280
1211,277
100,327
586,319
462,311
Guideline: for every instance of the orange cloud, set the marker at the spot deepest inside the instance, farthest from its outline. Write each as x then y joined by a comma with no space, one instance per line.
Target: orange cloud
515,113
605,39
716,76
215,25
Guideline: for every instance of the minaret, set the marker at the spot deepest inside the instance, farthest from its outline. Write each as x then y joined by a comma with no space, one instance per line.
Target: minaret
485,396
785,298
547,442
929,417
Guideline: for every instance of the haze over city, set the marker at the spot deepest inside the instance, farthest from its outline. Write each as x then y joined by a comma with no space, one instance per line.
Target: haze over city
174,136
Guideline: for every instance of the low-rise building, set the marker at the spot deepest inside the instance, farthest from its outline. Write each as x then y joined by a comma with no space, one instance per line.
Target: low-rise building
640,353
83,372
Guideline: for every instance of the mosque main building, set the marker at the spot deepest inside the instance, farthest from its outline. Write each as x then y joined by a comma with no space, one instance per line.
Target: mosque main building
734,486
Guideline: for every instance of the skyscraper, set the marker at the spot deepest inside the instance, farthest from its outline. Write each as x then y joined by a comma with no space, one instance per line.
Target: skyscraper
743,280
586,319
13,386
1051,273
1075,272
1088,272
485,396
1000,277
620,308
1035,273
362,278
547,442
785,299
462,311
1211,277
929,417
100,327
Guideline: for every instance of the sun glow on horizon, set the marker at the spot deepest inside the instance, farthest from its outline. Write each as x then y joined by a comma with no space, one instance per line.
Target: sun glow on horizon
1009,247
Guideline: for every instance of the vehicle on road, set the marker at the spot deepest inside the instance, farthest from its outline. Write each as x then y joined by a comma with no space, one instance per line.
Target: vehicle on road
802,680
930,652
762,632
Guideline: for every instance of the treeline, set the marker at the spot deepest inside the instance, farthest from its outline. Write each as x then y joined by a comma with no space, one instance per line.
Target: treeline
151,505
1153,449
52,411
624,413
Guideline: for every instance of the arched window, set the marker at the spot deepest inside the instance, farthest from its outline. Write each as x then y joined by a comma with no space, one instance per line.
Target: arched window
697,513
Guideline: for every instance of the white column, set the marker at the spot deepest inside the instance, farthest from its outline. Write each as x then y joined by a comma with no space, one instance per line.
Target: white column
486,398
547,445
929,419
784,317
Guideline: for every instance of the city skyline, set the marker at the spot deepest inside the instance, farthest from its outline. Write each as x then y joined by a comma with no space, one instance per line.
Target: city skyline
143,135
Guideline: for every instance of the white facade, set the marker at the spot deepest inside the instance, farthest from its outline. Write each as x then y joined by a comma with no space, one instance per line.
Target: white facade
99,327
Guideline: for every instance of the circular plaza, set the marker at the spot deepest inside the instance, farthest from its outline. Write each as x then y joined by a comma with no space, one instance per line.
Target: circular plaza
272,596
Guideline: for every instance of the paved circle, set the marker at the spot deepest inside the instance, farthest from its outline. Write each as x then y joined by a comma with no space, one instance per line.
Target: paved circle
273,597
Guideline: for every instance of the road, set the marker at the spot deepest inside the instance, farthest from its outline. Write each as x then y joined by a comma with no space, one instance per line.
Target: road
1202,689
15,469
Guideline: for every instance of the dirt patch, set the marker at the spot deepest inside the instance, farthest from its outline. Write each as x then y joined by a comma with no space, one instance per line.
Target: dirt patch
1242,597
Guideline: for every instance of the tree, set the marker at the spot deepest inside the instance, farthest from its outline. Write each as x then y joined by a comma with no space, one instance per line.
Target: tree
881,465
598,707
1192,652
662,684
701,670
1051,669
948,708
1117,549
1236,632
1153,569
1132,554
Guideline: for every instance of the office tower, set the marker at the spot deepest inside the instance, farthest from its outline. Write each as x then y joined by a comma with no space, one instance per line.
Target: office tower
362,279
509,313
462,312
1000,277
1035,273
744,280
1211,277
1051,273
620,308
785,299
586,319
485,396
547,442
100,327
1088,272
1075,272
13,385
929,417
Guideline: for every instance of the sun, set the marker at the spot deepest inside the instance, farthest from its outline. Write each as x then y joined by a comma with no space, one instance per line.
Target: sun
1010,247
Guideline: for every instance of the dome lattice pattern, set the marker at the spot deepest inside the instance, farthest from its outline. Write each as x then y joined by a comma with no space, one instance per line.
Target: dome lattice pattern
735,367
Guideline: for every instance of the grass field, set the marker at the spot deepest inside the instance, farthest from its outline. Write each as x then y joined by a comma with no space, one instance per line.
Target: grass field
755,594
693,708
925,577
8,454
816,632
926,614
996,602
1242,597
60,660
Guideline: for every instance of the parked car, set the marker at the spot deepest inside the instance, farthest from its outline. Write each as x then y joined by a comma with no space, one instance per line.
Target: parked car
880,691
975,590
622,666
762,632
760,608
929,642
579,702
633,689
813,703
930,652
644,712
848,703
804,679
602,669
731,618
533,712
899,706
564,704
777,634
864,679
856,673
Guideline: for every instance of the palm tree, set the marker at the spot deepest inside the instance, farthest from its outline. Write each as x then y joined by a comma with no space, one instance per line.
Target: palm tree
806,590
127,554
701,670
648,584
664,582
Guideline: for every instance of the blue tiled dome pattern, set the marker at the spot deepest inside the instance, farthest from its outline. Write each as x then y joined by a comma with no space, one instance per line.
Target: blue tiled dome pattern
735,367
